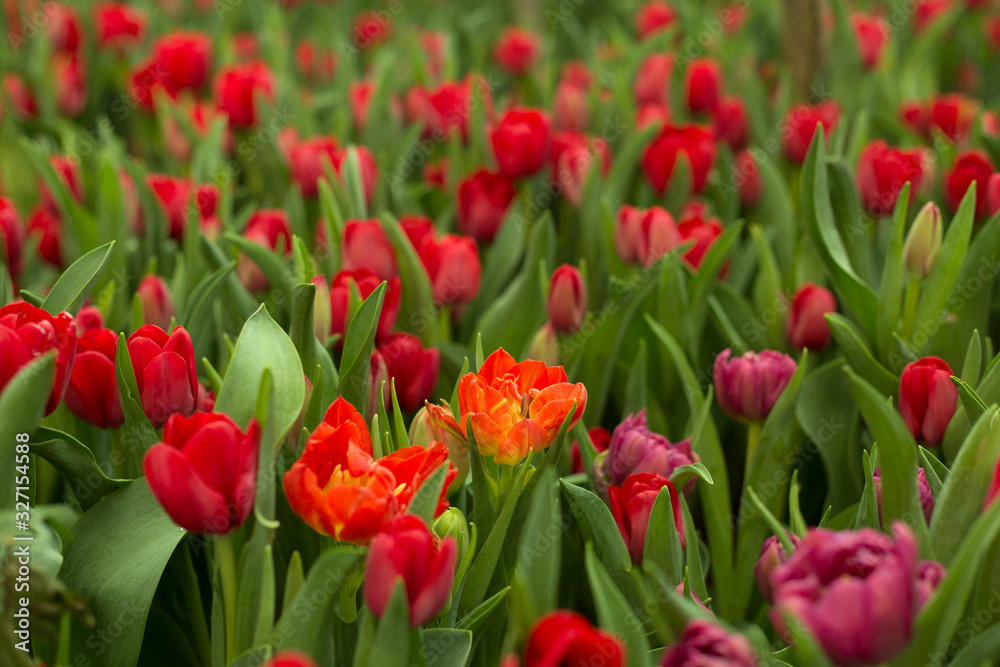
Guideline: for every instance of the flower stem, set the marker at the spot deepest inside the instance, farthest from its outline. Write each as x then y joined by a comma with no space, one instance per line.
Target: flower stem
753,435
910,307
225,560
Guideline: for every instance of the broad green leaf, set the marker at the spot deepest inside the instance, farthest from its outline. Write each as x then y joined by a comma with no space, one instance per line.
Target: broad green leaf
425,501
859,356
540,551
446,647
355,364
76,463
614,612
476,619
891,288
598,528
75,284
22,404
417,312
663,544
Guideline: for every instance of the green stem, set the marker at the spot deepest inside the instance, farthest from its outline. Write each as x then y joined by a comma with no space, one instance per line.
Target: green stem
225,560
753,436
910,307
192,598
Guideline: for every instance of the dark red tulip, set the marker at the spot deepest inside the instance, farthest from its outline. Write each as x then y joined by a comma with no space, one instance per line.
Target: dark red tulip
953,114
923,490
22,99
566,639
237,89
747,178
483,200
632,505
748,386
927,399
62,26
521,142
92,393
800,125
703,85
517,50
26,333
695,143
772,554
806,325
47,227
634,449
164,367
204,472
730,121
367,247
413,368
371,29
883,171
970,165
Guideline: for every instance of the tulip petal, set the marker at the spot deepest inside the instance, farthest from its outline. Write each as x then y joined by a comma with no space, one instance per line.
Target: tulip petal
166,390
190,502
437,584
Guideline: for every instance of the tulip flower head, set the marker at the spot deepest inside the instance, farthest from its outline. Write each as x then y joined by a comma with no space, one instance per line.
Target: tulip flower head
517,408
705,643
927,399
772,554
632,505
567,638
483,200
806,326
970,166
634,449
567,303
747,387
204,472
12,237
92,393
164,366
290,658
26,333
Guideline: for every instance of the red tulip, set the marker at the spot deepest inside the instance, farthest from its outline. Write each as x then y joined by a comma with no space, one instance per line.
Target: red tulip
570,108
517,50
413,368
871,34
993,194
567,639
970,165
634,449
22,100
118,25
632,505
412,466
290,658
87,319
800,125
994,491
452,263
442,110
12,237
68,172
174,194
204,472
237,89
730,122
882,173
406,549
47,227
359,97
600,437
645,236
521,142
653,17
184,58
62,26
164,367
705,643
806,326
652,83
483,200
366,282
434,43
157,301
26,333
271,229
697,146
953,114
917,116
567,303
367,247
146,80
573,158
419,229
436,174
703,85
371,29
927,399
747,178
928,11
306,158
71,84
92,393
704,233
315,65
747,387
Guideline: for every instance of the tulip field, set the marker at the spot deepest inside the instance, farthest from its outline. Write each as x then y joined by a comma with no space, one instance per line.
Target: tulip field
555,333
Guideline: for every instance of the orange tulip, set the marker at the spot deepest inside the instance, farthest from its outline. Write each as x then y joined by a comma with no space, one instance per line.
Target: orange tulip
517,408
339,489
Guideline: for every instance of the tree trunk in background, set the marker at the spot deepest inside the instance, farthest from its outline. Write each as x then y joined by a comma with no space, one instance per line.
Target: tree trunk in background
803,44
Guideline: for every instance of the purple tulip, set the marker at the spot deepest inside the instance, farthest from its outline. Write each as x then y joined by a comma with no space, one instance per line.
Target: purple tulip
635,449
748,386
926,497
707,645
772,554
854,590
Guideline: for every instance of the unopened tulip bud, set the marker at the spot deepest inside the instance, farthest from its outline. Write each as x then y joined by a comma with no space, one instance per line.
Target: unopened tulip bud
157,302
705,643
322,316
806,326
567,304
923,490
748,386
545,346
427,427
923,242
453,524
927,399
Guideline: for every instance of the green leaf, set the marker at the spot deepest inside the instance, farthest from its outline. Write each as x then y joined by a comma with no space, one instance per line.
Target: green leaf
417,312
388,649
446,647
867,515
138,433
768,295
635,390
682,474
859,356
891,289
981,651
974,406
118,552
272,265
663,543
540,548
22,404
75,284
76,463
704,281
614,612
263,346
425,500
476,619
355,365
599,529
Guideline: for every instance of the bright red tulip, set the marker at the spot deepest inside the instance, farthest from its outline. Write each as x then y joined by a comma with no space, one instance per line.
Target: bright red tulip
366,282
271,229
306,158
567,303
26,333
87,319
748,386
413,369
644,236
157,301
406,549
953,114
871,34
204,472
483,200
371,29
653,17
237,89
883,171
566,639
164,367
521,142
12,237
800,125
517,50
704,233
47,227
290,658
174,194
927,399
92,392
632,505
806,325
452,263
970,165
62,26
928,11
444,109
118,25
367,247
694,143
703,85
184,58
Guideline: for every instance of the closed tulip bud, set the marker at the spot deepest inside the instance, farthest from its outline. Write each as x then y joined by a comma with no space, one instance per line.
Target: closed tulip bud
68,171
953,114
271,229
321,310
567,303
927,399
173,194
695,144
413,369
23,101
87,319
12,237
923,243
930,573
47,228
204,472
359,96
517,50
730,121
26,333
157,301
747,178
545,345
521,142
772,554
703,85
454,525
483,200
871,34
747,387
571,112
164,368
704,233
705,643
366,282
564,637
367,247
883,171
290,658
184,58
806,325
993,191
452,264
653,17
923,489
306,161
62,26
237,88
652,82
635,449
407,550
833,575
71,84
118,26
970,165
429,426
632,505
